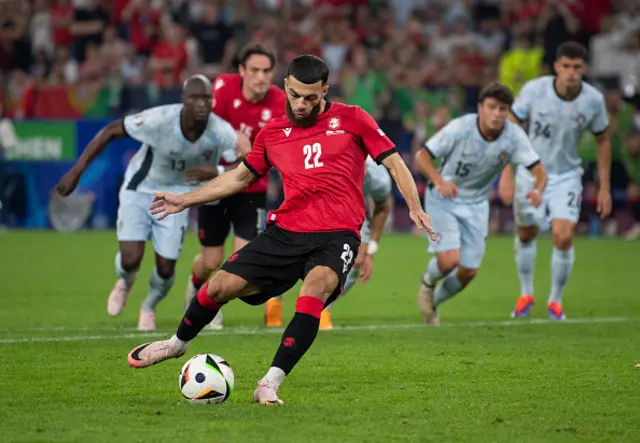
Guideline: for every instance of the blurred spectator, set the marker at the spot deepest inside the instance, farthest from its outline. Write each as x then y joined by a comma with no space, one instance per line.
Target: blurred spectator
113,48
41,29
558,24
62,12
169,57
144,23
523,62
14,33
214,40
89,21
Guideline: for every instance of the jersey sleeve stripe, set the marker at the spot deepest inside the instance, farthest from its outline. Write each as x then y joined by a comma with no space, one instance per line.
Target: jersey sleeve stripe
380,158
429,151
142,173
598,133
251,168
534,164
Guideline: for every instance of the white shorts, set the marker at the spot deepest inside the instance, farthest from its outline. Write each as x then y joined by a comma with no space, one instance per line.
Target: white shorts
459,225
136,223
561,198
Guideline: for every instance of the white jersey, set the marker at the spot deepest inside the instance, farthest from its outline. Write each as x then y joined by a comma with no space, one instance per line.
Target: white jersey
377,182
377,185
556,125
165,154
474,163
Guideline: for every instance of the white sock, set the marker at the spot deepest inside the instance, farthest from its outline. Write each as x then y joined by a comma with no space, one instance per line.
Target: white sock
178,344
432,274
127,277
158,289
275,376
525,262
561,266
450,286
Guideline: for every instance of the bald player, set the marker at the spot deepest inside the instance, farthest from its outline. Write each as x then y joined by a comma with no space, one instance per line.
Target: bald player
173,139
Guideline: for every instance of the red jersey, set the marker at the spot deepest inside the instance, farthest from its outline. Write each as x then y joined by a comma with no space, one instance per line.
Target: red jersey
249,117
322,167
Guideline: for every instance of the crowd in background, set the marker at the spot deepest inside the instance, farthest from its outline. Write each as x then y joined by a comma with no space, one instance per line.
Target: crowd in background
412,64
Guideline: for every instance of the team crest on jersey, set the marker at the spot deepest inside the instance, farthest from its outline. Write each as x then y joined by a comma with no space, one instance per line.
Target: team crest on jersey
503,156
138,120
207,155
580,119
334,123
266,114
236,103
219,84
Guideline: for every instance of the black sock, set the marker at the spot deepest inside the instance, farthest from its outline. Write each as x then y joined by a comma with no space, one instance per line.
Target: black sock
200,312
300,333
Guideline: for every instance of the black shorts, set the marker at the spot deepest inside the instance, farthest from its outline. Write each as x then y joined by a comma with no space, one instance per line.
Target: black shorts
245,212
276,259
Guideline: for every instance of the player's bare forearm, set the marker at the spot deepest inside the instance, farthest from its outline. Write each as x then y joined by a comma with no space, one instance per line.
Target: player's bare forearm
112,131
539,177
381,211
506,176
229,183
403,178
426,167
208,172
603,157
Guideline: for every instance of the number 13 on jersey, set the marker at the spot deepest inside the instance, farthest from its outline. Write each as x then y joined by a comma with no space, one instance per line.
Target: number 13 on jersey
315,151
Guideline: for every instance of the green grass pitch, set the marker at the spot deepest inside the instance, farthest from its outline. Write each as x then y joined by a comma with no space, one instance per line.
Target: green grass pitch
383,377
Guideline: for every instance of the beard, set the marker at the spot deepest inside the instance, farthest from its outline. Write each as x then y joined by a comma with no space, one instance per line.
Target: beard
307,121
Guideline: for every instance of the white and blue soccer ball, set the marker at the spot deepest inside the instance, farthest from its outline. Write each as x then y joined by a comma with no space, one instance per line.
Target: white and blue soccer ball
206,378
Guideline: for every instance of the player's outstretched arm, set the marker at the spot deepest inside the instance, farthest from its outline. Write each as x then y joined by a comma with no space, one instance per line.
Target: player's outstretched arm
69,181
539,183
603,157
229,183
403,178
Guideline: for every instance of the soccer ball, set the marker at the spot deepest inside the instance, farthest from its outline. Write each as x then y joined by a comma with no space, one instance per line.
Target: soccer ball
206,378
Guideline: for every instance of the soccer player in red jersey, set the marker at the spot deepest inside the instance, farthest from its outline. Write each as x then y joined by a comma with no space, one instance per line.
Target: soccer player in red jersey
247,101
320,149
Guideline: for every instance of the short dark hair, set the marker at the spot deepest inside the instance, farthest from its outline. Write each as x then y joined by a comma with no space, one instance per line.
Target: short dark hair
255,49
497,91
308,69
572,50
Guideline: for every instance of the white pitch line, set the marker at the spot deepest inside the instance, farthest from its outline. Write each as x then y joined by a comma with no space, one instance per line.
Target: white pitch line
264,331
239,330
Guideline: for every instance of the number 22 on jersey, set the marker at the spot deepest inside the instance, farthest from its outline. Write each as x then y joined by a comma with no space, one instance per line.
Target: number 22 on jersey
312,155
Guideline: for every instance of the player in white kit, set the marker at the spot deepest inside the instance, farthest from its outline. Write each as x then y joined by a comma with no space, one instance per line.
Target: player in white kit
377,187
474,150
558,109
174,138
